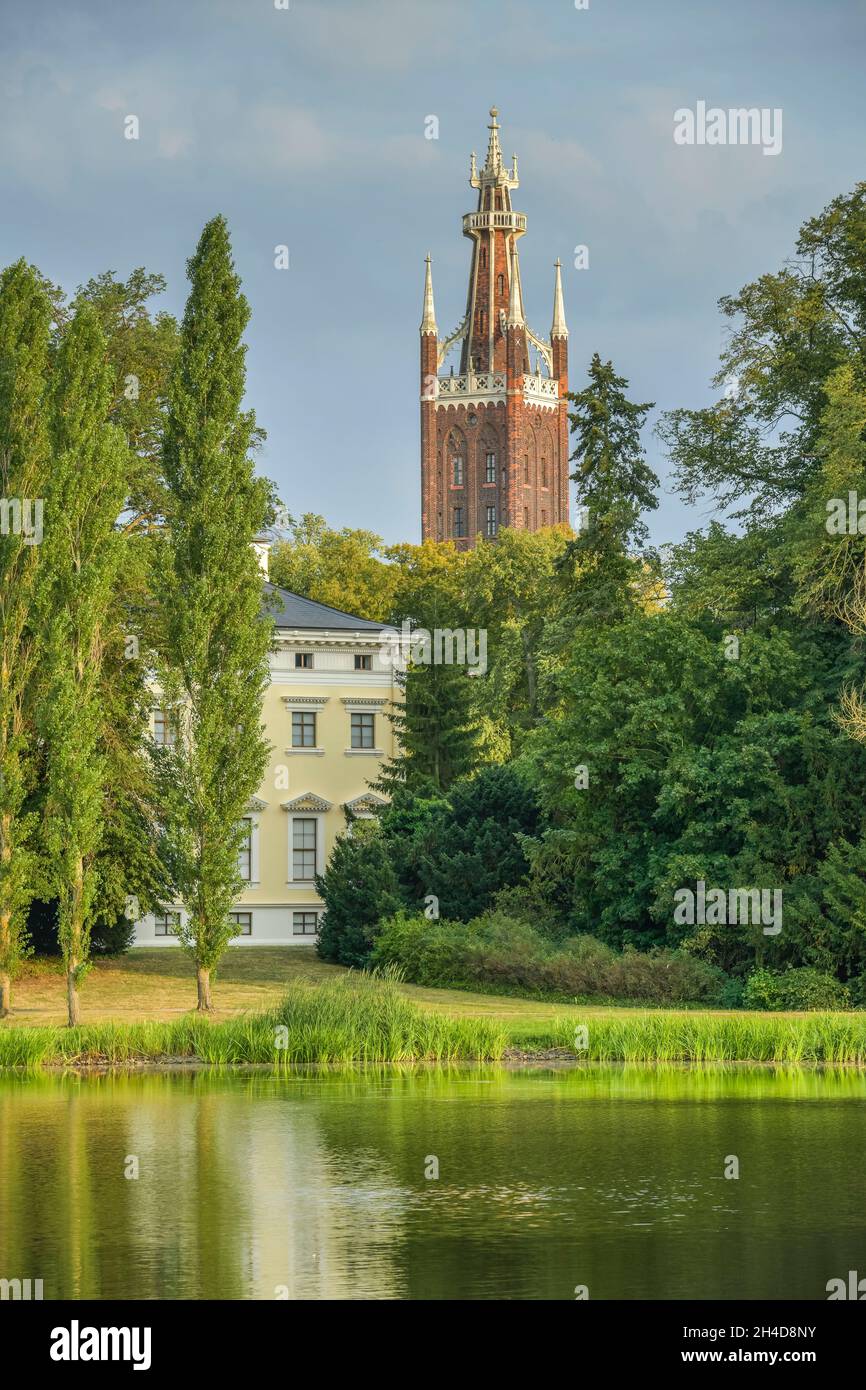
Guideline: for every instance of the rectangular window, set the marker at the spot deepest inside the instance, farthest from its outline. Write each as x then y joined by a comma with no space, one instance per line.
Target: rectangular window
245,853
526,468
363,730
303,849
491,521
304,661
303,728
457,471
363,663
526,518
243,921
490,468
458,521
305,923
166,923
164,728
544,518
544,472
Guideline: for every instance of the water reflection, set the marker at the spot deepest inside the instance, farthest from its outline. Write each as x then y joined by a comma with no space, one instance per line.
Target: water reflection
312,1185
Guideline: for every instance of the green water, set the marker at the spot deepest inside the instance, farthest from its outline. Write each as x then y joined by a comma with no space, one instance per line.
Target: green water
313,1185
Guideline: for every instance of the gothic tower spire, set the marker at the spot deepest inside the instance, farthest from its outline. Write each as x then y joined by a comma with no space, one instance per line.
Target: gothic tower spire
428,320
515,317
558,328
494,438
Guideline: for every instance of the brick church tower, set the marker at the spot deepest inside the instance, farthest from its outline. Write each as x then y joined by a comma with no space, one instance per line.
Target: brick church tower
494,435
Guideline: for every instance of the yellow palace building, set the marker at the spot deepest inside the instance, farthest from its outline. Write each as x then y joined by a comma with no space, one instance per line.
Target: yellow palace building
325,713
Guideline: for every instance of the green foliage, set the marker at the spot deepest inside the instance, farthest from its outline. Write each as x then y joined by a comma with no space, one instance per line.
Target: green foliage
473,847
110,935
345,569
790,331
614,481
803,988
80,561
361,1018
732,771
213,665
141,348
498,953
358,888
701,1037
24,341
437,729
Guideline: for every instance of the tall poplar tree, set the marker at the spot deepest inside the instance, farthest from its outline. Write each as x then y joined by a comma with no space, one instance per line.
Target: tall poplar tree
83,547
24,336
216,641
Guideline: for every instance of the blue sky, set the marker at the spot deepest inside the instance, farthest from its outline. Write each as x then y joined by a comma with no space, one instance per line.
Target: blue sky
305,127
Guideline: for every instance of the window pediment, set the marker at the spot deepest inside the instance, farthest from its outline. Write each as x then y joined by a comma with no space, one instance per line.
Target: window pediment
308,801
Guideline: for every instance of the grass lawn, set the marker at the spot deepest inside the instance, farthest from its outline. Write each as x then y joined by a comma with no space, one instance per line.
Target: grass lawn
141,1008
160,985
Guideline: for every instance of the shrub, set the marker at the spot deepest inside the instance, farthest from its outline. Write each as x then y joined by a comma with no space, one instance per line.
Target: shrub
667,977
800,988
464,849
107,937
496,952
428,953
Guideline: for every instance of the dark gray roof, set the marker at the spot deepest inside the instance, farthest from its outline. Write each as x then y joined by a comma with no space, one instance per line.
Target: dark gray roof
290,610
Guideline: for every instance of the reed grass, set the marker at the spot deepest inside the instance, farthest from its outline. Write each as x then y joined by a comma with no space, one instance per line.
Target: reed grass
357,1018
802,1039
365,1018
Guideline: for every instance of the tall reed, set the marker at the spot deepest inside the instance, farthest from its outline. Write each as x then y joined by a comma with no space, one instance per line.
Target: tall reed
357,1018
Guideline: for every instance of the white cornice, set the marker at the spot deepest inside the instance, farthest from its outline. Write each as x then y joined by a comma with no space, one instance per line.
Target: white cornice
375,680
323,637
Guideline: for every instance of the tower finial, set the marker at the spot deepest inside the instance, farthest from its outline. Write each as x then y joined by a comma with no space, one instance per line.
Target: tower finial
558,328
493,164
428,320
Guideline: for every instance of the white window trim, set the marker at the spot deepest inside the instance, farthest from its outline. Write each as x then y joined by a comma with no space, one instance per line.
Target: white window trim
319,818
315,711
354,705
254,879
248,912
306,907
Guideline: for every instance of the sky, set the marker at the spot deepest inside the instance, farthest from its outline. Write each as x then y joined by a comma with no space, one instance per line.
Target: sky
306,126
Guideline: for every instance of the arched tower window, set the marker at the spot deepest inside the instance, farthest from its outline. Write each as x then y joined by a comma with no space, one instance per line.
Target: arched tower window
456,459
483,259
500,285
488,453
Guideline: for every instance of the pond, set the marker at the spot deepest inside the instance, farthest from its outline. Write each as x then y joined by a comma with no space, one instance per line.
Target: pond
318,1184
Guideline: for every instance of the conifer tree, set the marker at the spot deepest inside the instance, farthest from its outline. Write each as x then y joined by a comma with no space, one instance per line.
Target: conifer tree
437,729
214,667
24,336
82,553
614,485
